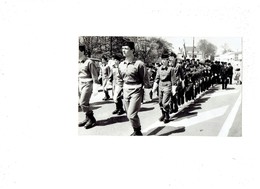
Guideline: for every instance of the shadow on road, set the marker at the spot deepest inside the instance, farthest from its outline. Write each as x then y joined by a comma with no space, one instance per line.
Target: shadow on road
172,131
169,131
189,111
230,88
111,120
145,109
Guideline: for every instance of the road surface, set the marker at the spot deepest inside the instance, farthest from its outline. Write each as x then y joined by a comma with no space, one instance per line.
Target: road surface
215,112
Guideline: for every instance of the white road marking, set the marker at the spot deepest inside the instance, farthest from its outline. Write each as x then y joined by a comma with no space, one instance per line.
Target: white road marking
201,117
221,93
158,123
230,119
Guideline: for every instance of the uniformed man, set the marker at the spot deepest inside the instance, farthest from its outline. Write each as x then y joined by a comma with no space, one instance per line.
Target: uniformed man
88,84
132,73
148,96
179,71
198,79
202,76
230,73
105,74
173,63
188,84
194,79
166,79
172,59
218,71
208,75
224,75
117,85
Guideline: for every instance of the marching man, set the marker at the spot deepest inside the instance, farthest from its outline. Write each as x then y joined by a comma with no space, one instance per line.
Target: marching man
132,72
166,79
88,85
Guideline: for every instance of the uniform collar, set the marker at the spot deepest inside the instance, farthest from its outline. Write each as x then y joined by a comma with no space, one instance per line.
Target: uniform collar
164,67
134,60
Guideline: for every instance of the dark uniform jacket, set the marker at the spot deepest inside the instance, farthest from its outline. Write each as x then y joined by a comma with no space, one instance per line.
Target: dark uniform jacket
230,71
224,72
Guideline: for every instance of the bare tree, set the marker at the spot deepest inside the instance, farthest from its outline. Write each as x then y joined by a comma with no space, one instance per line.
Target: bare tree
225,48
208,49
147,49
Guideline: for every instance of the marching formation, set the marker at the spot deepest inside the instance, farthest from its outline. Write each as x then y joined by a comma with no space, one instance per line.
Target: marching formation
174,81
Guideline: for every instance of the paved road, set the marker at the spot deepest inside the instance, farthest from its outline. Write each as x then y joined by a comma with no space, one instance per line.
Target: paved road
215,112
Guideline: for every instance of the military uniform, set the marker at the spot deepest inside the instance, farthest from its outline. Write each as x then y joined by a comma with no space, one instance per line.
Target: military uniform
88,75
208,76
224,76
133,76
180,85
117,88
105,74
166,80
230,73
188,84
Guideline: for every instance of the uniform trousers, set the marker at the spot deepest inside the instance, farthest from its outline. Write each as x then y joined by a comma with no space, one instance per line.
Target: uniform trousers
105,84
85,91
224,82
230,79
117,92
165,93
132,104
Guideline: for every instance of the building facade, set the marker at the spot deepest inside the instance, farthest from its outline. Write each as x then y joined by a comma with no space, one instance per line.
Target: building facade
189,53
235,58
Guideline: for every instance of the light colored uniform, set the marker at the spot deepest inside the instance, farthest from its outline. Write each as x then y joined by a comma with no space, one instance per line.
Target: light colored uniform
105,73
87,75
117,84
166,79
133,75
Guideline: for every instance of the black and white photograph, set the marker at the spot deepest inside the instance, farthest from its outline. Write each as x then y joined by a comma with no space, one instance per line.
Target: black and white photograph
79,78
163,86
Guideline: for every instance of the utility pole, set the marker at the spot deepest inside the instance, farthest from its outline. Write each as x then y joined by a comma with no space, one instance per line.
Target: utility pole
184,51
193,49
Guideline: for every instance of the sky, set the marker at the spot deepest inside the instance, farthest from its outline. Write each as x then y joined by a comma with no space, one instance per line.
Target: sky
234,43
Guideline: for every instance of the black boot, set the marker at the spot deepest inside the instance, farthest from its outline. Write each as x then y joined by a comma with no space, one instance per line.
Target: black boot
117,109
120,107
175,108
151,95
167,117
107,97
163,115
137,132
171,105
121,111
82,123
174,105
91,121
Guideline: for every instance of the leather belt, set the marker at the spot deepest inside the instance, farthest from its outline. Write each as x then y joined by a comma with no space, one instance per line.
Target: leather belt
134,86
